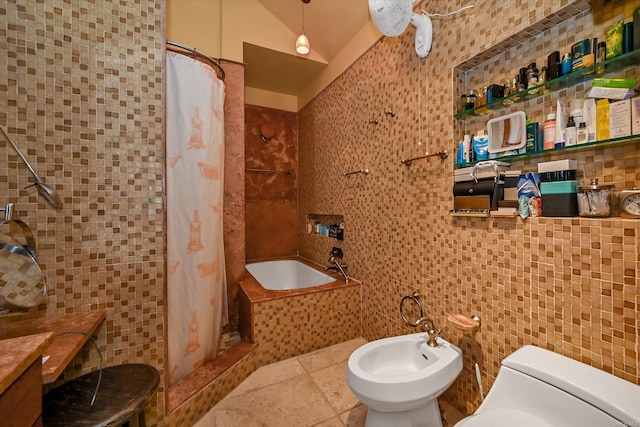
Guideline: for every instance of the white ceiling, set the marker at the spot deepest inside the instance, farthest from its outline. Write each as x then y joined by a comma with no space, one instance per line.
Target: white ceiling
329,25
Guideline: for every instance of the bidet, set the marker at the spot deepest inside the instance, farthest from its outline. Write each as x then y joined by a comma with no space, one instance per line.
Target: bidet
400,378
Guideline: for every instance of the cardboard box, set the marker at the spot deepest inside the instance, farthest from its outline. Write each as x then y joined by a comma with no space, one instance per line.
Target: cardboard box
603,121
635,115
558,165
563,205
589,117
612,88
559,187
620,119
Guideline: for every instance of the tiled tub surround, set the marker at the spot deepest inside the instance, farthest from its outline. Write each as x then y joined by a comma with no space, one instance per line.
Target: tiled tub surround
288,323
567,284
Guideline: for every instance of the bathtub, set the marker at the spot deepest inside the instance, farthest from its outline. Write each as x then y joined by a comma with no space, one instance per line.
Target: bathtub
287,319
287,274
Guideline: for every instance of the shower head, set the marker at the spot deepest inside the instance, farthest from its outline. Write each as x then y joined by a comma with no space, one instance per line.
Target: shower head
50,195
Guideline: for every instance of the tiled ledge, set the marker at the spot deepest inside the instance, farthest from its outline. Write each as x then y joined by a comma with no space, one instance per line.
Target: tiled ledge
193,396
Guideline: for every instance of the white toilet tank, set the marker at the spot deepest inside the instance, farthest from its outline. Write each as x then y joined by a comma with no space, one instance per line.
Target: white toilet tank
536,387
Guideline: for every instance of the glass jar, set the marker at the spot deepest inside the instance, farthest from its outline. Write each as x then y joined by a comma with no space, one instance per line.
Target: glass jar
594,200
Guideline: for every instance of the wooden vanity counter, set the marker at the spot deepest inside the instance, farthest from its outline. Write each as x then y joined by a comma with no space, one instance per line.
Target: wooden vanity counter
63,346
18,354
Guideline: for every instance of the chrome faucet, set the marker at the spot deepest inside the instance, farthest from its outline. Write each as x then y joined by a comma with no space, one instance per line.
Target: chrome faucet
334,258
431,330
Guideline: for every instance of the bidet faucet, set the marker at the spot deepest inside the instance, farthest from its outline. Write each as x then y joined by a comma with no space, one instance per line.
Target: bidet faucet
334,256
430,329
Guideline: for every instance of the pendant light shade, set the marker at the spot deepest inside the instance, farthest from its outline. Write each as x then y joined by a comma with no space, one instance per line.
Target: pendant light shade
302,42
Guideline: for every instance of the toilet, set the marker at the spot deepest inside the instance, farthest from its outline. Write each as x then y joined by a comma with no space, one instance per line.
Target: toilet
536,387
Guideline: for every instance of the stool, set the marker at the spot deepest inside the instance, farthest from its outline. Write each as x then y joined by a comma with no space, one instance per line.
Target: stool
124,392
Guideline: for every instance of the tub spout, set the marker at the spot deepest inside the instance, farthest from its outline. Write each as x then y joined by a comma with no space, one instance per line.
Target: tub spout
337,267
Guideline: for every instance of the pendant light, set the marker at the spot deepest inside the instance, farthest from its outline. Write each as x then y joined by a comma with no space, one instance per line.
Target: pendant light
302,43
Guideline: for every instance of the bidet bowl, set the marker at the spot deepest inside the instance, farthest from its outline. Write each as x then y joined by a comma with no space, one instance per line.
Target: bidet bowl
402,373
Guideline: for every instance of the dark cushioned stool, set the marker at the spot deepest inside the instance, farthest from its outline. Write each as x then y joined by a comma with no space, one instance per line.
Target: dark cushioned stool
124,392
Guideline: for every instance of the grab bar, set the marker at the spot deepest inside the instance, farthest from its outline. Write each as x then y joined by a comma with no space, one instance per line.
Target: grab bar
442,154
364,171
288,171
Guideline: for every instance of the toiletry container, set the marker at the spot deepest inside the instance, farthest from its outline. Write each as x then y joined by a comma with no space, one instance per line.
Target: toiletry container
570,133
549,132
559,198
594,200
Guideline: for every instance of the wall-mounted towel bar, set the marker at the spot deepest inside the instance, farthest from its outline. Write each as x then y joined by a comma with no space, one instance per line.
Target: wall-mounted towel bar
442,154
288,171
364,171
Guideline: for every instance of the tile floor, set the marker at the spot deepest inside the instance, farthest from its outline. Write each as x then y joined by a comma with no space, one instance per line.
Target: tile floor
309,390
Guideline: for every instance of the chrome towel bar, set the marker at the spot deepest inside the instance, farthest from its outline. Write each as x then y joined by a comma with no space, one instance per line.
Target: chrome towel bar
364,171
442,154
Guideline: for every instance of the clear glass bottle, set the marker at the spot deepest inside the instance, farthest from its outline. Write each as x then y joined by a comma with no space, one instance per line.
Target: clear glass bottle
532,77
570,133
542,79
582,134
601,56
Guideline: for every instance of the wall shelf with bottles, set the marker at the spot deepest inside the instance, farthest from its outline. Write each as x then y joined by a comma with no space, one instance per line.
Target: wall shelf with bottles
326,225
530,48
583,75
631,139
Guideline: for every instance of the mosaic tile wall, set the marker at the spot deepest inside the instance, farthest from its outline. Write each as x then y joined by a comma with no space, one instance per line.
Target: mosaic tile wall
271,196
567,284
81,93
291,326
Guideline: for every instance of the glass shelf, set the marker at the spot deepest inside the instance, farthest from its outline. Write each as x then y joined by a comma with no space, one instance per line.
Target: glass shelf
572,148
579,76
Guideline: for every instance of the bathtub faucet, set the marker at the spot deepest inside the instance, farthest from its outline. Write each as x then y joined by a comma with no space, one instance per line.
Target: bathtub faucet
334,258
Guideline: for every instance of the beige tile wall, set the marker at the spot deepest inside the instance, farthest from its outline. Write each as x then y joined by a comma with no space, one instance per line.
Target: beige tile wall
81,91
567,284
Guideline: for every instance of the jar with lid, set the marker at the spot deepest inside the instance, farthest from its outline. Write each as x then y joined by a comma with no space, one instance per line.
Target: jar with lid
471,99
594,200
532,77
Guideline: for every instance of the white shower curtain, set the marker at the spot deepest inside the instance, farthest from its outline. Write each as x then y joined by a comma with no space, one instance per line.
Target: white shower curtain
196,283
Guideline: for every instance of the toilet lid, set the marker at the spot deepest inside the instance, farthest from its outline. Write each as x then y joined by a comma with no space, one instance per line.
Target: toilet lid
502,418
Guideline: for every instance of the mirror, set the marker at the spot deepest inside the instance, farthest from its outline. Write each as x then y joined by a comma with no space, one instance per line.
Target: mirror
22,283
507,133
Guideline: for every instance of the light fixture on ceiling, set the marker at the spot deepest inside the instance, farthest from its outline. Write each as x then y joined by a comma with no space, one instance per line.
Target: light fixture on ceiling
302,43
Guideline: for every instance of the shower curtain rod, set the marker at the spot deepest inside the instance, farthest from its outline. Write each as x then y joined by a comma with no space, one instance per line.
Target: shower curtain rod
193,53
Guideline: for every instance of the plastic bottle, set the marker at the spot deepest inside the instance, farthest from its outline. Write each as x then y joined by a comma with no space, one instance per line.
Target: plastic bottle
582,134
575,110
466,147
570,133
549,131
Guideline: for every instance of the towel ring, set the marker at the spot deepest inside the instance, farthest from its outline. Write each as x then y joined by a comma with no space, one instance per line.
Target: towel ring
415,298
